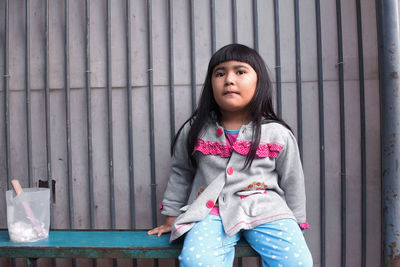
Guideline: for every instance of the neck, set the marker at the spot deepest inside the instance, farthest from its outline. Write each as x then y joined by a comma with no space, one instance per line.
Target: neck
233,121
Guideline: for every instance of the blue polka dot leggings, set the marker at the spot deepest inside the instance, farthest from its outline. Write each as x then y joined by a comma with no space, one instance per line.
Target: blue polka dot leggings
280,244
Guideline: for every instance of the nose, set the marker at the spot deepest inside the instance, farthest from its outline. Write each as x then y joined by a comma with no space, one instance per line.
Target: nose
229,78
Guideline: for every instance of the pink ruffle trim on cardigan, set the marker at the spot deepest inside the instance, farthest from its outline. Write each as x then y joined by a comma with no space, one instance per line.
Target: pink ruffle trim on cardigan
213,148
270,150
242,147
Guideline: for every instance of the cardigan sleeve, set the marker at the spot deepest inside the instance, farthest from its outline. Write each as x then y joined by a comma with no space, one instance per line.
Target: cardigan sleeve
291,177
180,180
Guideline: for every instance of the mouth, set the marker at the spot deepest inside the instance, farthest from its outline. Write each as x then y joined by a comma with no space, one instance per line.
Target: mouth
230,93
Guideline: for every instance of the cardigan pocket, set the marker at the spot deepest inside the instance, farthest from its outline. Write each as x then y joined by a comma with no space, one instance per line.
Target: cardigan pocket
250,201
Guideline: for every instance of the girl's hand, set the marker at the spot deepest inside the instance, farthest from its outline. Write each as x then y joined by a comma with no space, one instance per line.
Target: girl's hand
164,228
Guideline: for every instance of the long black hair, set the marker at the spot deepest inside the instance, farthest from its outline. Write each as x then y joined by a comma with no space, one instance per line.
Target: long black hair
261,108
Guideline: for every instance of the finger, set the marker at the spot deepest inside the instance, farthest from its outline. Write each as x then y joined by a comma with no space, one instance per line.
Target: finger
161,231
153,231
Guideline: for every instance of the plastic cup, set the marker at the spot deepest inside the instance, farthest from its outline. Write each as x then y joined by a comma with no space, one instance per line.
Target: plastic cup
28,214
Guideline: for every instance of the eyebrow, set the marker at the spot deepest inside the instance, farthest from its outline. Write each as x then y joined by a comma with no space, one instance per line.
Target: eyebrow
234,67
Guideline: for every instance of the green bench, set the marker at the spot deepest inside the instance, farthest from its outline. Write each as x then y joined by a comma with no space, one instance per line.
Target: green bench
100,244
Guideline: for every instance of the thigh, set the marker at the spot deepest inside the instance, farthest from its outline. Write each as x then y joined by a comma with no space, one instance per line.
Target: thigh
280,243
206,244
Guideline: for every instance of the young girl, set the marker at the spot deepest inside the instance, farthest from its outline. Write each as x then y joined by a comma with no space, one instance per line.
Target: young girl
236,171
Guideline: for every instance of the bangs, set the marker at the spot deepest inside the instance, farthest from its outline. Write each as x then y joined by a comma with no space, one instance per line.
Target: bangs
235,52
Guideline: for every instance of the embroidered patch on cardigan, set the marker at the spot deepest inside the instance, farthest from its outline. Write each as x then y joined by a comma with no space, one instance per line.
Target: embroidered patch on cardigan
242,147
256,186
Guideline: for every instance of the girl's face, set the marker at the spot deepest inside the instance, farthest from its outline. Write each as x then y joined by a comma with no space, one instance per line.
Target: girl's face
234,84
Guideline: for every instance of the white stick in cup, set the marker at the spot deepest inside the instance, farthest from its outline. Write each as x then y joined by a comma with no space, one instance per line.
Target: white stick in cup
18,190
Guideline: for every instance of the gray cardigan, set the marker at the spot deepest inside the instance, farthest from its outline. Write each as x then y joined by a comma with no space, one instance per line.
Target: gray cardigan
271,189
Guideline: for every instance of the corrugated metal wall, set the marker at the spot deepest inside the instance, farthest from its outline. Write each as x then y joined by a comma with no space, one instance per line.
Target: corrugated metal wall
68,115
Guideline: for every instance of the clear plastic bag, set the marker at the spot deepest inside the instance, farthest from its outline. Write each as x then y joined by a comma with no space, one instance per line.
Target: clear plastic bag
28,214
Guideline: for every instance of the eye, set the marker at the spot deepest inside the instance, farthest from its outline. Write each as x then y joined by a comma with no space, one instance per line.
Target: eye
240,72
219,74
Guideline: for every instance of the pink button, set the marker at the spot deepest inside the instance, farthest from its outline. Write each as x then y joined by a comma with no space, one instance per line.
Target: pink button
304,226
161,206
220,132
210,204
229,171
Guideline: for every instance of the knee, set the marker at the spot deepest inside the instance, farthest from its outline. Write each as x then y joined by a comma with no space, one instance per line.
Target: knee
190,257
303,260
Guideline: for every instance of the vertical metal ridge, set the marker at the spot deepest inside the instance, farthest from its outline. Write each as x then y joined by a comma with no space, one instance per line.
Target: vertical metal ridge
363,138
68,122
388,28
153,183
28,89
277,59
48,119
151,112
89,120
213,39
89,116
110,125
130,119
255,24
68,117
298,79
342,132
7,91
380,23
321,133
234,22
28,92
192,55
47,112
171,68
7,98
